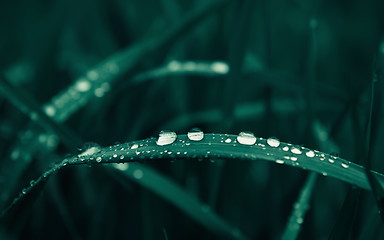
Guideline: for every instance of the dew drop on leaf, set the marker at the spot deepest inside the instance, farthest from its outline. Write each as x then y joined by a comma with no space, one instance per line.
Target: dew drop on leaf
310,154
295,150
246,138
273,142
166,137
278,161
228,140
98,159
344,165
134,146
195,134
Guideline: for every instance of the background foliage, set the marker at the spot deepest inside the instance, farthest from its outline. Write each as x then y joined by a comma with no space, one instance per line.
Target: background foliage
293,65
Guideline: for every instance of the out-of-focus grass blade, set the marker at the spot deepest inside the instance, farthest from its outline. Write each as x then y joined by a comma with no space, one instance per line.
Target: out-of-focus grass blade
175,195
299,210
377,187
31,108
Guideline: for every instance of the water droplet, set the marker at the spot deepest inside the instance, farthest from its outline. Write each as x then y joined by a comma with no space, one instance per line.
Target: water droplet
166,137
24,191
274,142
246,138
122,157
134,146
90,151
32,182
98,159
286,148
115,155
324,173
294,158
195,134
228,140
138,174
331,160
310,154
295,150
278,161
344,165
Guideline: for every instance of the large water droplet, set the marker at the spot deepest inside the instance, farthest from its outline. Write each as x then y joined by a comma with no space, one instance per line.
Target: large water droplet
310,154
273,142
246,138
195,134
166,137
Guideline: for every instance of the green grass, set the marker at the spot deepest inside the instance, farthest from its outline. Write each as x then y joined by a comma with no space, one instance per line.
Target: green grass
86,88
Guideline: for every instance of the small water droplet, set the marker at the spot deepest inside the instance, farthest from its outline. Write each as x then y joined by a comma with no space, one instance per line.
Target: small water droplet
324,173
166,137
115,155
294,158
122,157
344,165
331,160
24,191
98,159
246,138
228,140
273,142
295,150
32,182
195,134
278,161
286,148
310,154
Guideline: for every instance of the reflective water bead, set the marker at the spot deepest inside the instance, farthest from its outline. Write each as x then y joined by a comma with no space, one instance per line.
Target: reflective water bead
273,142
246,138
278,161
98,159
344,165
134,146
195,134
295,150
310,154
166,138
228,140
286,148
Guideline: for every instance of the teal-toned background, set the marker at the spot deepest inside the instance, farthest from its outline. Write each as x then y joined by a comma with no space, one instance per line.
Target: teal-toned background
291,64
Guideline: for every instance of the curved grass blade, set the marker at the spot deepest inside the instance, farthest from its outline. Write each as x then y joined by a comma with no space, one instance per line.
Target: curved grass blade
216,146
